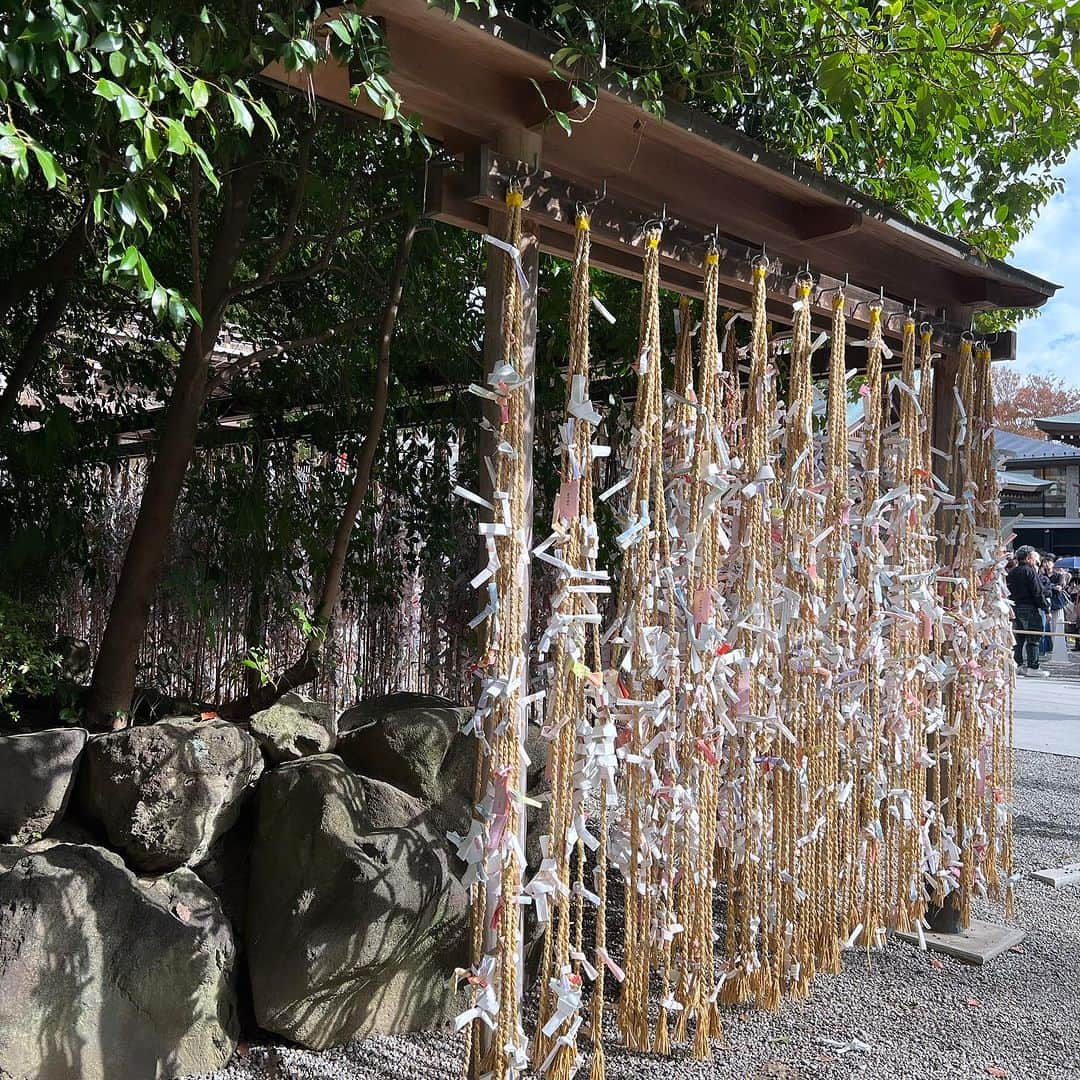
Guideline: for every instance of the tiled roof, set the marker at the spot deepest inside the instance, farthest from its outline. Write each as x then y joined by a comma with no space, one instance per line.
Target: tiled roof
1020,481
1022,447
1065,418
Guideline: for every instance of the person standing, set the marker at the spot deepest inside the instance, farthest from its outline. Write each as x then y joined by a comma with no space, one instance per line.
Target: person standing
1046,576
1029,599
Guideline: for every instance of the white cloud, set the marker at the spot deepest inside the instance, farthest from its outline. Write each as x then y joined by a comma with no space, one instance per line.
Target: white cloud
1050,344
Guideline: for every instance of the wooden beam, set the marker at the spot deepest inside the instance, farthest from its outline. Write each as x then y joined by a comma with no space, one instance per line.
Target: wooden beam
826,222
470,75
465,198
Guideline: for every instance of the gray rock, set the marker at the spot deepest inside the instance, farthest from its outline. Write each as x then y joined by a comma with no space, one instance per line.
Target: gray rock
294,727
227,869
37,776
164,793
104,975
355,922
413,741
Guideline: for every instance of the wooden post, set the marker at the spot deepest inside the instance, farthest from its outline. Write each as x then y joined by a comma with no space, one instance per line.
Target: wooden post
939,780
525,146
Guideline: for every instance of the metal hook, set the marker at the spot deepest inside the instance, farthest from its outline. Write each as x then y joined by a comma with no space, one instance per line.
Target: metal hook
926,327
832,289
523,172
713,238
658,222
761,260
587,206
804,277
909,316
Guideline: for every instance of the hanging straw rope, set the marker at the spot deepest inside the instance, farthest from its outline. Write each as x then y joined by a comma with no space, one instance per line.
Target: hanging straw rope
829,772
492,848
862,893
754,972
802,631
582,752
642,652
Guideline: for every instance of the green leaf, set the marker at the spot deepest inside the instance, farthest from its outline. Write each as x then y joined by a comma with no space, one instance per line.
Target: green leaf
107,89
145,275
200,94
833,75
117,63
179,139
563,121
108,43
126,209
177,310
12,147
130,259
47,164
159,301
131,108
240,114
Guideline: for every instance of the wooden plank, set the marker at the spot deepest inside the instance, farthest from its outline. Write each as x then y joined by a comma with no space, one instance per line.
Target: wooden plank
1059,877
980,943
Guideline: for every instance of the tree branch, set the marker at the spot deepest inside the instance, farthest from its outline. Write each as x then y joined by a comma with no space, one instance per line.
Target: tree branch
305,668
27,360
244,362
193,216
60,264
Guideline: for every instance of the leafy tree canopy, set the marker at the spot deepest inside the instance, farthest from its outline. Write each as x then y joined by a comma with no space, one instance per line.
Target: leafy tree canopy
957,112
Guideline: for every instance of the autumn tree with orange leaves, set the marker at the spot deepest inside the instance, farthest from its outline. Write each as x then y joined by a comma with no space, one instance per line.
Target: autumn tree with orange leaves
1021,399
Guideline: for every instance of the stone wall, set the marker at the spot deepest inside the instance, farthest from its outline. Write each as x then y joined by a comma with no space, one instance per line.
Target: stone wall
147,874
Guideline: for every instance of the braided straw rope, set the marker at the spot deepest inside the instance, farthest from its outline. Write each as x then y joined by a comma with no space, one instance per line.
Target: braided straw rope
994,752
901,771
831,758
572,691
800,697
647,900
748,772
866,732
505,635
701,757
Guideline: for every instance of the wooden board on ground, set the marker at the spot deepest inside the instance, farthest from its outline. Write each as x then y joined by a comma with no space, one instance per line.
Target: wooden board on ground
1056,877
979,944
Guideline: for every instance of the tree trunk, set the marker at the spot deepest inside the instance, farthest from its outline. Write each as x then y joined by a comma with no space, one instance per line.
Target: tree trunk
306,667
113,683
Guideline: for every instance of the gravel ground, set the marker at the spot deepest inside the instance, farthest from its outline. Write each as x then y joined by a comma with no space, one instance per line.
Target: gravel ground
911,1014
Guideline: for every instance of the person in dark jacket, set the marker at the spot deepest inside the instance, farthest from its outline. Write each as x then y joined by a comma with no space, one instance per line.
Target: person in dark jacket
1046,577
1029,599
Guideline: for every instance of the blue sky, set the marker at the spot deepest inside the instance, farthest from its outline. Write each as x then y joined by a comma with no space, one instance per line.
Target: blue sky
1049,344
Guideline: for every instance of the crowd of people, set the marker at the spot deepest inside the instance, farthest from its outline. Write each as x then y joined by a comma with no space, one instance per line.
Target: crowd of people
1038,592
